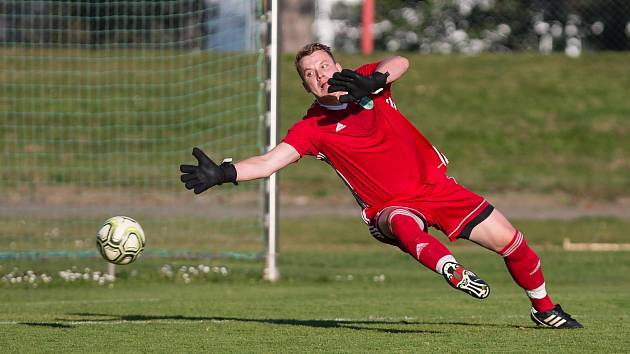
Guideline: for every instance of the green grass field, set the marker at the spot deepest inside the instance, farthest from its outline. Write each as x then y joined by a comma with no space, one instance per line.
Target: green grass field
340,292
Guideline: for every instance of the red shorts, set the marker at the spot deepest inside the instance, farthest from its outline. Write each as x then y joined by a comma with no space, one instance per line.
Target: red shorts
447,206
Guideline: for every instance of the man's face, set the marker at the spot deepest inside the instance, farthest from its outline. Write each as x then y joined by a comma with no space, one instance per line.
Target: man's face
316,69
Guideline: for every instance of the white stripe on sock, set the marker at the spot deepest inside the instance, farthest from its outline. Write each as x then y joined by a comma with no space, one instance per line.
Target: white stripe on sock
517,242
538,293
405,212
444,260
535,268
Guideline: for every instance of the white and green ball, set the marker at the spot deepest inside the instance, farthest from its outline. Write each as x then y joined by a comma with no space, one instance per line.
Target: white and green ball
120,240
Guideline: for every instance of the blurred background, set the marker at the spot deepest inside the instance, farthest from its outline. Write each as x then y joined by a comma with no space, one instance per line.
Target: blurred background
442,27
462,26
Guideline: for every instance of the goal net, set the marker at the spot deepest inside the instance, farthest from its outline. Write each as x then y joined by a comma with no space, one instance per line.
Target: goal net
101,103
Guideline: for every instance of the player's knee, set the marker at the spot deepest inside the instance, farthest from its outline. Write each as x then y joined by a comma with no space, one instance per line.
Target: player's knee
518,251
502,240
495,233
404,219
393,218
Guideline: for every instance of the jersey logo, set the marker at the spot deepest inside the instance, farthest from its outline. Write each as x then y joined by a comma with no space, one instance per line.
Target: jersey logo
339,127
366,103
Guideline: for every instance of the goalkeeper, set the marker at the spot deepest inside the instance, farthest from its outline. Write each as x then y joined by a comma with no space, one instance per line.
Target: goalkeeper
396,175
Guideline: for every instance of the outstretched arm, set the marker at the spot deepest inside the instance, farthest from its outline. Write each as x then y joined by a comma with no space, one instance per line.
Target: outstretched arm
265,165
207,173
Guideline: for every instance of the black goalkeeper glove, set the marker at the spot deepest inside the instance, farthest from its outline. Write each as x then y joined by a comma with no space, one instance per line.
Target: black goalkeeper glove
207,173
357,85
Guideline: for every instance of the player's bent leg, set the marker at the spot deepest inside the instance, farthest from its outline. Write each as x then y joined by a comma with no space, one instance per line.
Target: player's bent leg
493,233
411,232
497,233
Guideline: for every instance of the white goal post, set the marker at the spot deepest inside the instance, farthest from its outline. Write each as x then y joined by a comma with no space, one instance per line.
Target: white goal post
271,272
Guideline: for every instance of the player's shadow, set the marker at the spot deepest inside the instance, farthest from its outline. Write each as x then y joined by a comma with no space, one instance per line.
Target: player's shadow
366,325
362,325
47,324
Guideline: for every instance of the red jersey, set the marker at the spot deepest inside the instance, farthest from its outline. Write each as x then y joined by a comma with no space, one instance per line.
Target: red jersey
380,155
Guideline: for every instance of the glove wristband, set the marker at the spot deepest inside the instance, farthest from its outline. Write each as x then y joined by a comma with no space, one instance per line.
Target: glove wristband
382,78
229,172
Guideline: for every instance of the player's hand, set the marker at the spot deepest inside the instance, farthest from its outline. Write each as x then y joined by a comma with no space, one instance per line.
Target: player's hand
357,85
207,173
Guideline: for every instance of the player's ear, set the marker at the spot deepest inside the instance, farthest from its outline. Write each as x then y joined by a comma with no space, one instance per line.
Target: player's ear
338,66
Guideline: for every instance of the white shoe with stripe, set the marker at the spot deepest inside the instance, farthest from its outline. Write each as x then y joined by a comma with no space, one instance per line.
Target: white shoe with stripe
465,280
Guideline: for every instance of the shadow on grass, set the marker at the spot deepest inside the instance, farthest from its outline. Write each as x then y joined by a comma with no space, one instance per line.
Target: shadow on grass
333,323
362,325
47,324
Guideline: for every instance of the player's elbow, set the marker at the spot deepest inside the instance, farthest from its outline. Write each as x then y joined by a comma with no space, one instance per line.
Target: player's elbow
402,63
396,66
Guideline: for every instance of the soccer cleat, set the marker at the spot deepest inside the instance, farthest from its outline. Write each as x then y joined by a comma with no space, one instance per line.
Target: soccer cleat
463,279
554,318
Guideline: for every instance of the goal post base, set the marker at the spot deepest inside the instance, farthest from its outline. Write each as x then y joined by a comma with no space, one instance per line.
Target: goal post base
271,272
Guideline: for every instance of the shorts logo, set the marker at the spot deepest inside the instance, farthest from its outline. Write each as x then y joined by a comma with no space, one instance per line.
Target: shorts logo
419,248
339,127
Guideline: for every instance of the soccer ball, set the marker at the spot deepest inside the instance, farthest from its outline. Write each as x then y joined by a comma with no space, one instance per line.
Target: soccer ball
120,240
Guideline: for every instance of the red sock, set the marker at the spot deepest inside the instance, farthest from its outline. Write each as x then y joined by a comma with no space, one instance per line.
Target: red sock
426,249
524,266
